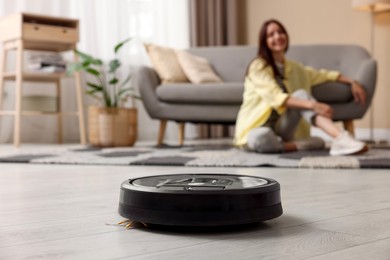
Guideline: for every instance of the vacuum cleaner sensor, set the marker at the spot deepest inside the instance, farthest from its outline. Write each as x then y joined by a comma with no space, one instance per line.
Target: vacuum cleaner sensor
200,199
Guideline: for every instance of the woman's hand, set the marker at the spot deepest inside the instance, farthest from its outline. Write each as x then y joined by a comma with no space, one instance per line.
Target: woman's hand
358,92
318,107
323,109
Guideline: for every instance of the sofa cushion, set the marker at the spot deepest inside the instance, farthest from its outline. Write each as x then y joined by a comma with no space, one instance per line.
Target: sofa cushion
231,93
196,68
229,62
207,93
166,64
332,92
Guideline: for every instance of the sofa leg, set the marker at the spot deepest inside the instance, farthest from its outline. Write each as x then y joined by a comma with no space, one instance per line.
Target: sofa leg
181,133
161,132
348,125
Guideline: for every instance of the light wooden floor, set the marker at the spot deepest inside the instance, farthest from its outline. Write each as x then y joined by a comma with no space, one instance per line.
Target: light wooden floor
63,212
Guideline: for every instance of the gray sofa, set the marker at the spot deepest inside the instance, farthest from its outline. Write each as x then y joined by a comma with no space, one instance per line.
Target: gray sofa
219,103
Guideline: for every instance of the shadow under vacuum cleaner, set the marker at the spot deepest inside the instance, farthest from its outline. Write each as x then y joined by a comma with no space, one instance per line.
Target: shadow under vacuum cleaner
200,199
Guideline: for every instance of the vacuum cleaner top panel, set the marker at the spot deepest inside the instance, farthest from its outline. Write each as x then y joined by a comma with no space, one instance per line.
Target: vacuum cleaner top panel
198,182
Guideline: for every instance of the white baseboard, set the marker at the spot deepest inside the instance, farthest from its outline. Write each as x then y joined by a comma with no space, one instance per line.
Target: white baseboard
378,134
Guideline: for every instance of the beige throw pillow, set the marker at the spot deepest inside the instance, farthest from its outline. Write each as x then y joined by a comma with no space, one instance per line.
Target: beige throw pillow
197,69
165,63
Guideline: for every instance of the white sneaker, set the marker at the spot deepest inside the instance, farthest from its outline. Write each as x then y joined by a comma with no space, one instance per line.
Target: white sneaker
345,144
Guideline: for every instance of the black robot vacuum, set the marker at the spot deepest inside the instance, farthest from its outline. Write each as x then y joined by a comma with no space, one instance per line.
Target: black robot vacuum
200,199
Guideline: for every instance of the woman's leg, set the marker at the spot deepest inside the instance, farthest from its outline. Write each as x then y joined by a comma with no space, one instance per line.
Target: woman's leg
327,126
264,140
288,122
342,144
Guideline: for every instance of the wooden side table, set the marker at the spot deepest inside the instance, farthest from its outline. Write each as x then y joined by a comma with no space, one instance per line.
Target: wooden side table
25,31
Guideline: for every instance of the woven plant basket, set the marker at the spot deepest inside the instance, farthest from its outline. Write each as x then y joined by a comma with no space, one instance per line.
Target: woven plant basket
109,127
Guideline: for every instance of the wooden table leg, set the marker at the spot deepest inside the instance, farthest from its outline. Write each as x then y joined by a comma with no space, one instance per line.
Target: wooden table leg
2,71
161,132
181,133
18,92
59,111
80,106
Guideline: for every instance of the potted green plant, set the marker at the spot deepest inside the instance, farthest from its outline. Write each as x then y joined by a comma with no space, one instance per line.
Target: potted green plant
109,123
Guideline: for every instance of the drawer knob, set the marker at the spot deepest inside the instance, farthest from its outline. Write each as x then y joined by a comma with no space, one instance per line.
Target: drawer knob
64,31
36,28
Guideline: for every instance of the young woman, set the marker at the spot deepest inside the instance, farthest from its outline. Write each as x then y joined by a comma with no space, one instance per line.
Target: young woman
276,97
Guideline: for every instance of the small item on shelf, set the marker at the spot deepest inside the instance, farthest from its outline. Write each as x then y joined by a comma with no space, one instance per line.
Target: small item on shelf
45,62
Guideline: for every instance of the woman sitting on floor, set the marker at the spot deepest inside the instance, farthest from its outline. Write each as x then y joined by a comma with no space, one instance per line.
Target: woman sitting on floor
276,97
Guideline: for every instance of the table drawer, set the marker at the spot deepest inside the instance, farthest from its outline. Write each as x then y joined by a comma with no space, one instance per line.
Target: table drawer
49,33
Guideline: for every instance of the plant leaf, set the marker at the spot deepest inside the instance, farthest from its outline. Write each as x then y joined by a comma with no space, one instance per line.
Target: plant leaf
92,92
88,58
123,91
114,65
86,63
94,86
84,56
126,81
113,81
97,62
73,67
92,71
119,45
129,93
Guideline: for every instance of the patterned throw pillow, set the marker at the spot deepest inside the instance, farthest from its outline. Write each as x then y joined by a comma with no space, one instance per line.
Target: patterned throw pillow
197,69
165,63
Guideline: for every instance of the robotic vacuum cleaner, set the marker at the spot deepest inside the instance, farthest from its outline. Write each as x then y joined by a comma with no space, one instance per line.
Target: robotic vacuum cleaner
200,199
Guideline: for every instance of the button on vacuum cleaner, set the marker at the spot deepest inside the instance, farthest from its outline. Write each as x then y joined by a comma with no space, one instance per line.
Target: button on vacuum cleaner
200,199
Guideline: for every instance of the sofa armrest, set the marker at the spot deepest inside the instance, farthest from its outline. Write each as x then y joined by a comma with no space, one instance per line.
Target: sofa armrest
339,95
147,80
366,75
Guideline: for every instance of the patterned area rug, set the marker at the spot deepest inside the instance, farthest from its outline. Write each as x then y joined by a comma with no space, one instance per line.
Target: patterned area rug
196,156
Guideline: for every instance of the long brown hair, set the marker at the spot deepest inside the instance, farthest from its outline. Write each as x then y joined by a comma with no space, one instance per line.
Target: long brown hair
263,51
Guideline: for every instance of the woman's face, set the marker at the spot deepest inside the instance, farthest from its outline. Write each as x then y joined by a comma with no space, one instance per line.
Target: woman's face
276,38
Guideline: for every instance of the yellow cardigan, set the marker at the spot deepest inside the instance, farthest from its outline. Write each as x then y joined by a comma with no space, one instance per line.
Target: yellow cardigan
262,93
